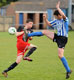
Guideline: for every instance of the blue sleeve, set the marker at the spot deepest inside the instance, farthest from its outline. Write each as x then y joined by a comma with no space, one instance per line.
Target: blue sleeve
53,23
66,24
67,20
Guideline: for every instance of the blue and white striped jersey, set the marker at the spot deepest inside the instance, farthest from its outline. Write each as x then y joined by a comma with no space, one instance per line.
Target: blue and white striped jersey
62,26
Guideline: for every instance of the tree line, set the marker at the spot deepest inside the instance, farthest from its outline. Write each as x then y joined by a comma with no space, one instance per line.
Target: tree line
5,2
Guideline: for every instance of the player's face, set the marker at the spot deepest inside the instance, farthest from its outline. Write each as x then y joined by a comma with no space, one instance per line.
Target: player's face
58,17
30,24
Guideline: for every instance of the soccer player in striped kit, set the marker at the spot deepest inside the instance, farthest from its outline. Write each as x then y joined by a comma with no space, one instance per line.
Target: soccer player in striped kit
61,38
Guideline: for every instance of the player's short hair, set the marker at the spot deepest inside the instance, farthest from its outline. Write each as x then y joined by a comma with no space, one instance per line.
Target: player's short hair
29,20
56,12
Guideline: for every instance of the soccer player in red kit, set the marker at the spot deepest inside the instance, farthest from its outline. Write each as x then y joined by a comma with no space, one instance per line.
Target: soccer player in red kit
22,46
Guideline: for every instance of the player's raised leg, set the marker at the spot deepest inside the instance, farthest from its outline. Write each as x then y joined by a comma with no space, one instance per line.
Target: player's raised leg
25,37
40,33
48,33
35,34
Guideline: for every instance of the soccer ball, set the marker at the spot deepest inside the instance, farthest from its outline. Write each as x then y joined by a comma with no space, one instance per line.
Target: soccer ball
12,30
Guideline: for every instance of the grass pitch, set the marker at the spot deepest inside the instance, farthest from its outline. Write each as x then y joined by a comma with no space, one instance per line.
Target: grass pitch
46,64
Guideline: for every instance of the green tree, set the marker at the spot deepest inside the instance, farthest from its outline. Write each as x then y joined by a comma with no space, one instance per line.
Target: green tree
5,2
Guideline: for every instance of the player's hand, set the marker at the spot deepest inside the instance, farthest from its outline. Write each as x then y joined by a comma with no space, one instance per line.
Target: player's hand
44,16
58,5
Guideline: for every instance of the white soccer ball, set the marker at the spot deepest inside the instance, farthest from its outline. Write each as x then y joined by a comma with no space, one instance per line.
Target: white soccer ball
12,30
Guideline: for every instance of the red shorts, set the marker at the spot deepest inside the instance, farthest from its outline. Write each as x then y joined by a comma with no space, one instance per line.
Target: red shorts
22,47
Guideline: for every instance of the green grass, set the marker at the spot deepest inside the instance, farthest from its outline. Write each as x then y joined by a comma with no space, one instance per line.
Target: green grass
46,64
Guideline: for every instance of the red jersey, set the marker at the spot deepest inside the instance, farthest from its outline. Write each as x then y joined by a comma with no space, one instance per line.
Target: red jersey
21,37
22,46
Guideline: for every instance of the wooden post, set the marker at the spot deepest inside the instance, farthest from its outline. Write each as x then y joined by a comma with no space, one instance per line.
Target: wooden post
36,20
25,18
17,20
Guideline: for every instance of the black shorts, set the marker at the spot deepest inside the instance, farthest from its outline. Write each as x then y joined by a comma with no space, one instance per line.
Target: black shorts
60,40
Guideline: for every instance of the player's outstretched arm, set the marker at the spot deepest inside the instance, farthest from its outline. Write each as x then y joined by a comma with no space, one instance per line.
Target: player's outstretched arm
60,11
19,33
46,21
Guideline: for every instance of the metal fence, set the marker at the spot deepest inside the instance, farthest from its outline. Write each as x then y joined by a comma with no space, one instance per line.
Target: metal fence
5,22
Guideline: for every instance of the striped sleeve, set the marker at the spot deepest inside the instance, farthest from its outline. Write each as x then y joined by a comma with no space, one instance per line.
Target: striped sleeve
53,23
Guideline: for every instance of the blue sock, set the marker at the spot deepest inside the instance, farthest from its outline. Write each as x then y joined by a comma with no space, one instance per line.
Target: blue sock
35,34
64,61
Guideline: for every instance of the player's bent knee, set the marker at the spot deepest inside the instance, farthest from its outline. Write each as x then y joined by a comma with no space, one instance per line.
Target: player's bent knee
19,58
60,56
17,61
60,52
31,46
